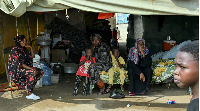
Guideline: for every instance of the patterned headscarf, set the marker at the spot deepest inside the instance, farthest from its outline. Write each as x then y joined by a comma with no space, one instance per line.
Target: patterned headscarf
134,53
19,38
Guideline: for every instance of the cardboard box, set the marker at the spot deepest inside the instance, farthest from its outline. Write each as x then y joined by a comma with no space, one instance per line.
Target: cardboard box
54,78
58,56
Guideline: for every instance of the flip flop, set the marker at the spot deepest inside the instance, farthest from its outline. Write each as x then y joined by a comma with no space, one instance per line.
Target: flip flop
100,93
131,94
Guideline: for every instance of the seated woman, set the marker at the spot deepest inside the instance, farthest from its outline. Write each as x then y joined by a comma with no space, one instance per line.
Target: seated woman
101,52
20,67
139,68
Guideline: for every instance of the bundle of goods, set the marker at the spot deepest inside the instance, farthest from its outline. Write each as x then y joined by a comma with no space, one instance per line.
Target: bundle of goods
162,70
163,64
76,37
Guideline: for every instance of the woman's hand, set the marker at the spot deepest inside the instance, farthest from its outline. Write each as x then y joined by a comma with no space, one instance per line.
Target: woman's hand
32,53
33,69
88,58
91,65
142,77
27,45
91,58
141,49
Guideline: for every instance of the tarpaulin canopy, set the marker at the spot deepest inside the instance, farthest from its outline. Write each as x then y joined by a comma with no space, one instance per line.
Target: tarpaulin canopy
105,15
137,7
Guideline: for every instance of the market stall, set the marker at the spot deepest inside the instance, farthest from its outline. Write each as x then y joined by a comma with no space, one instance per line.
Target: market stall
163,64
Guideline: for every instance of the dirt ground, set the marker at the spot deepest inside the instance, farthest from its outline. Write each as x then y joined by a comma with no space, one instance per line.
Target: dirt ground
58,97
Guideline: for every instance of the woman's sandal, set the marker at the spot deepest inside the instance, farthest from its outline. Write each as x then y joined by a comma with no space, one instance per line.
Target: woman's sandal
131,94
107,90
100,93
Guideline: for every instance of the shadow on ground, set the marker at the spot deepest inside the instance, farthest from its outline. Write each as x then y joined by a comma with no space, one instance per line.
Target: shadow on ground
62,92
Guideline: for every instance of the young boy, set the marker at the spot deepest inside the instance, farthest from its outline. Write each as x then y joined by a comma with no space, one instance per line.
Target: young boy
186,73
118,63
85,63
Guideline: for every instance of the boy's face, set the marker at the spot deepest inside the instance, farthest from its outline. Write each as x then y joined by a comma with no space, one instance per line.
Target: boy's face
95,41
116,52
88,52
186,73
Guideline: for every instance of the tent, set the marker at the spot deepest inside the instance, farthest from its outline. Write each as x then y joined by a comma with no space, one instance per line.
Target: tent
17,8
137,7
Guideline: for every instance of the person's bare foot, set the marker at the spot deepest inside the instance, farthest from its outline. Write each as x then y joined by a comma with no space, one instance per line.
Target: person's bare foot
110,85
122,88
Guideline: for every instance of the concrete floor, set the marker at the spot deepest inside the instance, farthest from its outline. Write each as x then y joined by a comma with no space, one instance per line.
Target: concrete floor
58,97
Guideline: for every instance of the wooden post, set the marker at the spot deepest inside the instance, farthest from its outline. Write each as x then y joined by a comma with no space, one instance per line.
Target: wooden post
28,29
4,59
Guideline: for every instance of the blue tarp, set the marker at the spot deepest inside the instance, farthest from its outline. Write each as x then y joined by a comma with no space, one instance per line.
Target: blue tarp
122,18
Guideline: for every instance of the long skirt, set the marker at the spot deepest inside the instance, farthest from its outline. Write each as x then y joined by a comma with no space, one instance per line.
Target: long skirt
31,77
136,85
94,77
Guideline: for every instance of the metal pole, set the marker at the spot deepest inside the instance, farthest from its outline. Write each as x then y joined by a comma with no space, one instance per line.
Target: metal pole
4,60
28,29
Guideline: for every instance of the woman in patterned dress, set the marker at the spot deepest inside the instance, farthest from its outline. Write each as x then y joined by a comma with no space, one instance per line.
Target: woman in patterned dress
101,52
20,67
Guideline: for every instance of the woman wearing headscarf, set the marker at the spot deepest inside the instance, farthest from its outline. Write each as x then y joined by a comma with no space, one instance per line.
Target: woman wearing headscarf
20,67
139,68
101,52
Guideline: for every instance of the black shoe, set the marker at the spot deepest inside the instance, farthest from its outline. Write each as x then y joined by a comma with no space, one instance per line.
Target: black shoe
116,95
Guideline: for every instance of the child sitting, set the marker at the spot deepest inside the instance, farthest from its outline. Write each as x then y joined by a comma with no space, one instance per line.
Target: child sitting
118,63
85,63
186,73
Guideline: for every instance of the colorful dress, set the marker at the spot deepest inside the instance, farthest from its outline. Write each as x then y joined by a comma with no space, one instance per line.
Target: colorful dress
102,55
20,76
116,68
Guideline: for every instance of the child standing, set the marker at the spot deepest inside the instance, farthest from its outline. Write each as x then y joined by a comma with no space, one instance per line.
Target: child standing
186,73
85,63
118,63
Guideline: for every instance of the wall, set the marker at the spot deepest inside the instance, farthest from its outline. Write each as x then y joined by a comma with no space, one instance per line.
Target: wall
155,29
179,28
